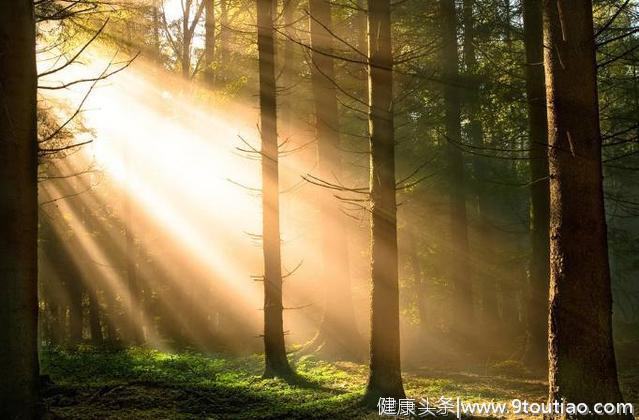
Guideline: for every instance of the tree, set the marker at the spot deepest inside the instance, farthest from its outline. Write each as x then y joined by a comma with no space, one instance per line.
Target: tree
338,335
487,288
385,379
19,210
536,352
289,65
209,42
460,272
581,355
274,346
182,42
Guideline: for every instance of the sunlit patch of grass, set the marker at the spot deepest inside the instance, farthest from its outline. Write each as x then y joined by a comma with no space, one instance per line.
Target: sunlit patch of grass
142,383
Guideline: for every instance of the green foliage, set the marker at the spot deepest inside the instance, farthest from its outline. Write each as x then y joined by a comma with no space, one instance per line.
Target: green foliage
142,383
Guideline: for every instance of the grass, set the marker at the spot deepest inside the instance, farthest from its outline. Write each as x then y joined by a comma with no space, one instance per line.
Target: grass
148,384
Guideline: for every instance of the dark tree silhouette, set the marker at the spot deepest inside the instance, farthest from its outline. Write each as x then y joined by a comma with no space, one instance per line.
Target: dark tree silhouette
19,211
338,335
274,346
385,378
581,355
209,42
536,352
460,270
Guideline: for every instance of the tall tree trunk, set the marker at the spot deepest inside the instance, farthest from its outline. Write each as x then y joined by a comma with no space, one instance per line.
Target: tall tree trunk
185,58
19,210
536,351
209,43
460,272
385,378
420,285
156,47
581,354
133,325
338,335
95,326
223,50
274,346
73,281
94,319
361,25
485,279
290,64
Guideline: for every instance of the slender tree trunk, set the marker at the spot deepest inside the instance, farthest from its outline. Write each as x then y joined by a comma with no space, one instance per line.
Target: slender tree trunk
288,70
209,42
485,279
460,272
186,42
95,327
338,335
581,354
536,351
73,280
134,327
156,47
19,210
274,346
385,378
420,285
94,319
223,50
362,22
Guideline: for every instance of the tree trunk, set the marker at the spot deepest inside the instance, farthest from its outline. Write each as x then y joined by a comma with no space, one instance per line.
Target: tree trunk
385,378
19,210
338,335
289,65
186,42
484,275
581,354
156,47
274,347
460,273
133,324
420,286
209,43
361,25
223,50
94,319
73,281
536,351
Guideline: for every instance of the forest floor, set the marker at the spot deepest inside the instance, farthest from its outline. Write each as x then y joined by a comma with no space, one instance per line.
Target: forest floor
147,384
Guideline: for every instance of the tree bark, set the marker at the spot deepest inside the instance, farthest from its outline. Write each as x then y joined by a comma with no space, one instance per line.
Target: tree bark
536,351
486,281
19,213
420,285
338,335
385,378
274,346
185,60
133,325
581,354
73,280
460,273
223,49
289,65
209,43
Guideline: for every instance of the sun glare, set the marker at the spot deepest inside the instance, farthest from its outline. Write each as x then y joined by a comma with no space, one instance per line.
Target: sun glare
178,161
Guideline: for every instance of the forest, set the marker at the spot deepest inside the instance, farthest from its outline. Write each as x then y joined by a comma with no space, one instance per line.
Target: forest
332,209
